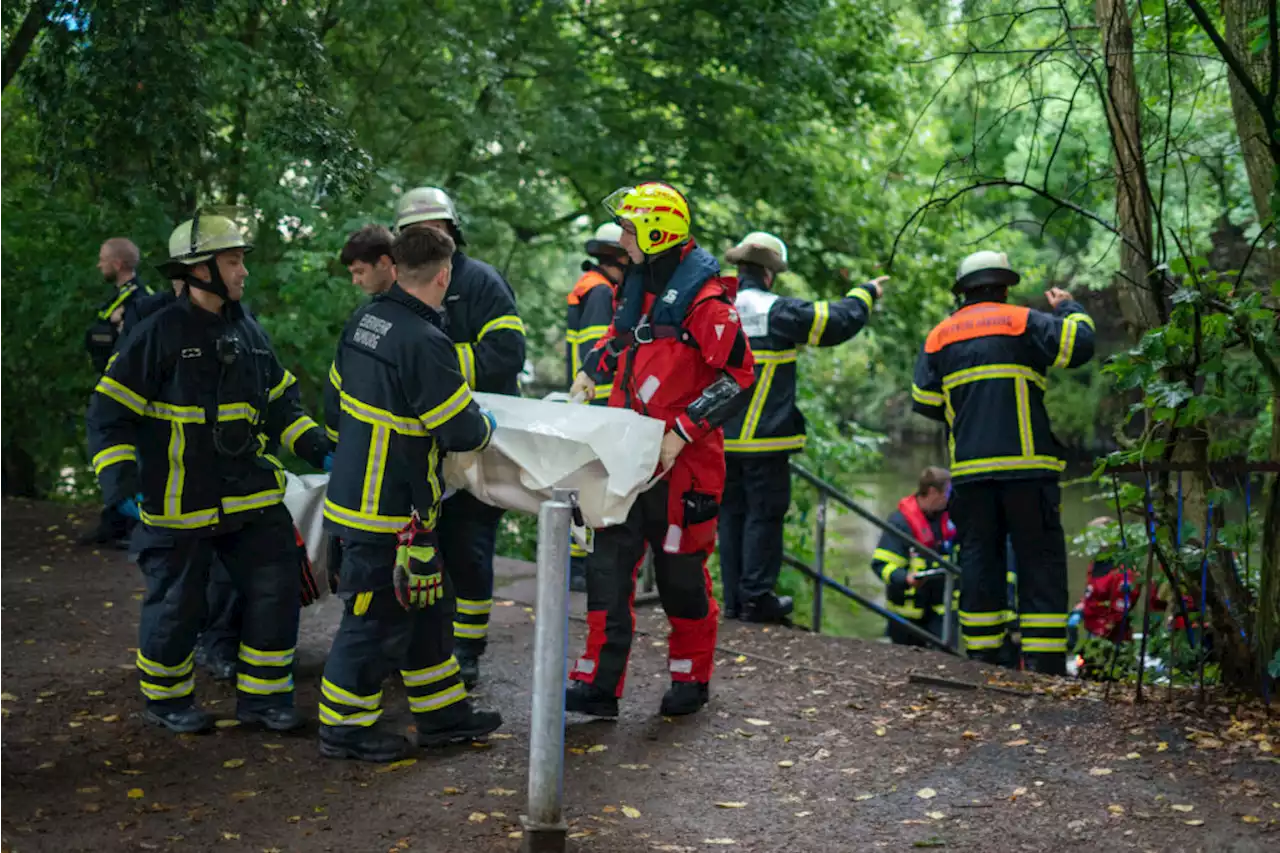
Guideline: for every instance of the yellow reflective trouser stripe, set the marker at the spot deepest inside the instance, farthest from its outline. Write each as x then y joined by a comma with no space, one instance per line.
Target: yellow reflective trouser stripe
160,691
1023,406
331,433
362,520
603,391
506,321
177,470
469,632
296,430
926,398
330,717
257,500
861,293
477,607
821,312
122,394
159,670
576,550
183,521
440,415
775,356
1044,644
113,455
336,694
466,363
264,686
906,610
993,371
977,620
1043,620
374,468
764,445
756,407
993,641
258,657
374,416
436,701
430,675
285,381
1006,463
1067,337
335,378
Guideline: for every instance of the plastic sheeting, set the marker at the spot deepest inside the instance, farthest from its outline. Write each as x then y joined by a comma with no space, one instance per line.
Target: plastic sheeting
609,455
304,498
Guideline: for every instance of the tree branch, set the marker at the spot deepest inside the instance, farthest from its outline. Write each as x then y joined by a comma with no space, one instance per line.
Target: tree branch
32,24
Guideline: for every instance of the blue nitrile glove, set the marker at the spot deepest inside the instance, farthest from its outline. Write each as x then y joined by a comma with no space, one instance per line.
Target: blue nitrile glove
328,462
1074,620
488,416
129,507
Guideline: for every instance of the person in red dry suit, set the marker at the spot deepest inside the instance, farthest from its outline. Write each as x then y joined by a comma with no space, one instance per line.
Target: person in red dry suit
676,352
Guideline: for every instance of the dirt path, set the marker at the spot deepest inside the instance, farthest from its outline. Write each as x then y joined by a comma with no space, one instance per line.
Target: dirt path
810,744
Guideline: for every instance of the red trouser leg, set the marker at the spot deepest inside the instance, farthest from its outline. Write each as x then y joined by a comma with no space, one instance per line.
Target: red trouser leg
611,586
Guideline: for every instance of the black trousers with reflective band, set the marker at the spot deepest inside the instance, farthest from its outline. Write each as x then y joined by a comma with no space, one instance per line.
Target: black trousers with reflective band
220,635
259,554
376,637
1027,514
468,534
757,493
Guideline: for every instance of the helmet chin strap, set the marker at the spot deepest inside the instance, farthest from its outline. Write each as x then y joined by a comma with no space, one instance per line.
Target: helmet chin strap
215,285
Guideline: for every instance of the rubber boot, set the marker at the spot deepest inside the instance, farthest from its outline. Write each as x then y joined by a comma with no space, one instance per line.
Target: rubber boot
584,698
276,719
184,721
374,743
769,608
685,697
473,725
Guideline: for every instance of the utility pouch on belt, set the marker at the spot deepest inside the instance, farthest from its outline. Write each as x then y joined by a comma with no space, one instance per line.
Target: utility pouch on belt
698,507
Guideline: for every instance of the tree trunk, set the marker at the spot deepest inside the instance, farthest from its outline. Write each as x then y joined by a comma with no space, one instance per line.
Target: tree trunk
1269,590
1141,303
32,24
1258,159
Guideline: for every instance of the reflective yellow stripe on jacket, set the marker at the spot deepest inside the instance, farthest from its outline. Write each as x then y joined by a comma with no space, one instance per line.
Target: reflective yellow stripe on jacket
746,442
1022,377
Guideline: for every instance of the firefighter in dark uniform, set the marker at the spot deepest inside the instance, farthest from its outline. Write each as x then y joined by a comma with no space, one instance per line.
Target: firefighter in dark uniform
177,428
758,442
983,371
898,564
398,401
675,352
489,340
589,315
118,262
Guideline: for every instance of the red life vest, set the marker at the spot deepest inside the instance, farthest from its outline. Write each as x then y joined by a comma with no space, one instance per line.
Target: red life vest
922,530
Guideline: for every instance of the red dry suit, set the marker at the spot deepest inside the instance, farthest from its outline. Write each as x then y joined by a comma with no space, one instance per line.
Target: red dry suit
675,334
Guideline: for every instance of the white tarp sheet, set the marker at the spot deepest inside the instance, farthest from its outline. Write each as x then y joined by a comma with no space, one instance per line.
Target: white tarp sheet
609,455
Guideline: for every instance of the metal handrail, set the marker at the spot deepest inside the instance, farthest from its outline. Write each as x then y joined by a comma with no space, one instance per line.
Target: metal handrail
817,572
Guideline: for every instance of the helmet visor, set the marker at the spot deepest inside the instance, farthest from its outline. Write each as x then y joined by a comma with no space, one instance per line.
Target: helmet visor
615,203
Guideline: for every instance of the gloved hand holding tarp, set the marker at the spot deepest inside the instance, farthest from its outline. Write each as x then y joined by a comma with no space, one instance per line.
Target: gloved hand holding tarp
609,455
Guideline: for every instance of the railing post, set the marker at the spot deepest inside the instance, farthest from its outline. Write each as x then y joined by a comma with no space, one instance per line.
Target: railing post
544,826
819,562
948,611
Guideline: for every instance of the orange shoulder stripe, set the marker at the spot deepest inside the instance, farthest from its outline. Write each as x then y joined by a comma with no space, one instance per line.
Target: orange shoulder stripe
590,280
978,321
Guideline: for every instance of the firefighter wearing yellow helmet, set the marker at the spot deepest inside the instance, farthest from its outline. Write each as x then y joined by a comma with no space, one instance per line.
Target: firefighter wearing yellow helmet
178,427
675,351
984,371
760,440
488,337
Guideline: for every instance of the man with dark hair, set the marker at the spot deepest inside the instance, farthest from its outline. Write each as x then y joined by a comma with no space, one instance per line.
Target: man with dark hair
488,338
759,441
118,262
919,600
367,255
399,403
983,371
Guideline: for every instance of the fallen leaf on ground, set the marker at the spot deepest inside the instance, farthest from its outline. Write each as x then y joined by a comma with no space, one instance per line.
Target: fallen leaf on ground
477,817
233,763
1015,727
926,793
1100,771
136,794
1019,742
1115,809
501,792
610,809
862,797
272,746
516,834
396,765
1018,792
722,842
1249,818
631,812
1162,746
1194,822
96,693
731,805
786,763
8,697
230,836
452,791
1133,756
111,718
92,808
634,766
936,815
740,659
599,747
1208,743
1180,807
227,724
577,750
758,722
500,736
244,795
803,814
93,789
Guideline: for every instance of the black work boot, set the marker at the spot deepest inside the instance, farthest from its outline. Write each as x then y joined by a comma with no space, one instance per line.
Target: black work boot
685,697
472,725
185,721
277,719
769,608
373,743
584,698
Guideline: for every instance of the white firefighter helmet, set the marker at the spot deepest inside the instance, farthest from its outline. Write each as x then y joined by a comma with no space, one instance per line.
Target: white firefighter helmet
985,269
606,242
198,239
761,248
424,204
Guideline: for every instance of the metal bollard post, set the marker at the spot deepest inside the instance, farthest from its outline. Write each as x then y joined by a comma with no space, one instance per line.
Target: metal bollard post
544,825
819,561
